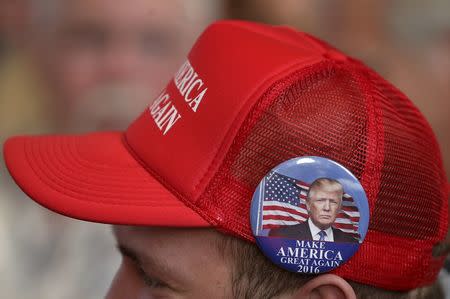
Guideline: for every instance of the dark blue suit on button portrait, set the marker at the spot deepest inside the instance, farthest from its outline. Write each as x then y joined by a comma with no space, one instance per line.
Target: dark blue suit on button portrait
302,232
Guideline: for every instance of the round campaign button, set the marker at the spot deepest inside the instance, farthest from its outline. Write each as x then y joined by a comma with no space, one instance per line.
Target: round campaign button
309,215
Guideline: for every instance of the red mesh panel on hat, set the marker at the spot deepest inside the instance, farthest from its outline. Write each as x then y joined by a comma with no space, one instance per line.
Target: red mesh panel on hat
412,201
345,112
323,113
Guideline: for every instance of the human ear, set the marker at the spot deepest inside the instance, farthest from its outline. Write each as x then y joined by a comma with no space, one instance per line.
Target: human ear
327,286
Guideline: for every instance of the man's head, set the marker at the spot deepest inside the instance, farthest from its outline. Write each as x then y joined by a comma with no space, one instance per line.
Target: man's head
324,202
103,63
203,263
262,95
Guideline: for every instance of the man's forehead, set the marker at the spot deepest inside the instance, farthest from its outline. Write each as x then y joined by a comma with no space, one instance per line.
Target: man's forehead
55,12
155,240
159,232
149,9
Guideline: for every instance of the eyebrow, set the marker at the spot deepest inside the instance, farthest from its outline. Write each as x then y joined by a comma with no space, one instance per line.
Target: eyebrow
140,259
158,268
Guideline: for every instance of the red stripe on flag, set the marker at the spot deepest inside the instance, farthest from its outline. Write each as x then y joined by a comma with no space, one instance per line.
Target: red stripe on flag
291,211
344,225
280,217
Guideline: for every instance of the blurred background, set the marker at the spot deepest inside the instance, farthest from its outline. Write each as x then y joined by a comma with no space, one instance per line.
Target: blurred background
63,61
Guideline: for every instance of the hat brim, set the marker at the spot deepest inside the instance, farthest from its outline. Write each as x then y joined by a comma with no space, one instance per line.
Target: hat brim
94,177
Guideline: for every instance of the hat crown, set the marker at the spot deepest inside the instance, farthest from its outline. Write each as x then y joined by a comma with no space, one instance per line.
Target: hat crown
274,94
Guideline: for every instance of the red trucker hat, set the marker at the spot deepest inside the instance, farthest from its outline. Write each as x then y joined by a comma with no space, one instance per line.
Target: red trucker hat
248,97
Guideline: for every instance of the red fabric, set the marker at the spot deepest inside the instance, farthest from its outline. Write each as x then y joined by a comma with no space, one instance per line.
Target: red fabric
272,94
236,71
93,177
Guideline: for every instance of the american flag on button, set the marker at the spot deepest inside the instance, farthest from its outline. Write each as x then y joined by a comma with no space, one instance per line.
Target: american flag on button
284,204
